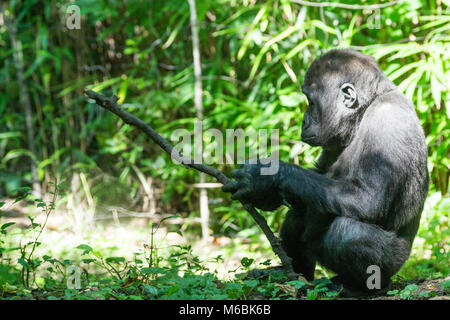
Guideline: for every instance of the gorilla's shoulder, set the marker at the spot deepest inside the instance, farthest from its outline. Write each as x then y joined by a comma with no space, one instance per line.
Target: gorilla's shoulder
391,124
391,112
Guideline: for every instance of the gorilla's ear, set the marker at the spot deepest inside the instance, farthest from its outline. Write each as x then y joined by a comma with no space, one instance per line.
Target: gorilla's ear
348,95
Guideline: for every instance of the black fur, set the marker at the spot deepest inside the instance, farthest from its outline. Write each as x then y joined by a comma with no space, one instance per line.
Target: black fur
362,203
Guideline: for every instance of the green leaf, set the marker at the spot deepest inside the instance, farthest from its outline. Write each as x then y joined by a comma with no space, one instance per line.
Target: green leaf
411,287
392,292
7,135
24,190
251,283
87,261
151,290
246,262
115,259
152,270
173,290
170,217
23,263
86,249
298,284
332,294
291,100
6,225
445,285
436,91
404,294
300,47
286,33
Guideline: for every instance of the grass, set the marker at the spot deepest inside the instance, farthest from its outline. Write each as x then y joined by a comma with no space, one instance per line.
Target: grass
43,258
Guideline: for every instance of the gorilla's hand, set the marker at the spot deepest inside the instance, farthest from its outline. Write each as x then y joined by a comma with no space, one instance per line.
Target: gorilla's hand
252,187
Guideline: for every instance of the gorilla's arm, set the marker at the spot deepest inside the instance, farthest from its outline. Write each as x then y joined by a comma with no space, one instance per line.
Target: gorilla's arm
362,197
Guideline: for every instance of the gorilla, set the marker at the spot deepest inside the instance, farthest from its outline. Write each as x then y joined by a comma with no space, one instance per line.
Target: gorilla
361,205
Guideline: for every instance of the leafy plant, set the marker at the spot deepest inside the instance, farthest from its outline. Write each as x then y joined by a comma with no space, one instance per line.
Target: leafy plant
27,259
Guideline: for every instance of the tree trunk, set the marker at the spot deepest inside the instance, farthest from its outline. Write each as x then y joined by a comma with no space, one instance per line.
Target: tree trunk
24,101
198,92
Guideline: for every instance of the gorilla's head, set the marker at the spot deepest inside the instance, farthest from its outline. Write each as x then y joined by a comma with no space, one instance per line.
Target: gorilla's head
339,86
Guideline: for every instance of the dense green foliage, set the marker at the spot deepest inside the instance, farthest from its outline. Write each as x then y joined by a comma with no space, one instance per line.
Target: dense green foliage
254,57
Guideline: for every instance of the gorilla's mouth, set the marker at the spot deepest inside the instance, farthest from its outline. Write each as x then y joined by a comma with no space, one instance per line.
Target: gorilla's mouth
311,140
308,138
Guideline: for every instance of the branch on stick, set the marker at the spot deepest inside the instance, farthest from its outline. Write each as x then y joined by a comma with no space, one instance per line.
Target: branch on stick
111,105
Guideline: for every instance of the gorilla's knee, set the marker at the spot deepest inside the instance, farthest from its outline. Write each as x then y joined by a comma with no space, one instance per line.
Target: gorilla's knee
359,252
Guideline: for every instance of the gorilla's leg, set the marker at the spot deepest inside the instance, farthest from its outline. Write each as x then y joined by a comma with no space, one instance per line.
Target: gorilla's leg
295,246
350,247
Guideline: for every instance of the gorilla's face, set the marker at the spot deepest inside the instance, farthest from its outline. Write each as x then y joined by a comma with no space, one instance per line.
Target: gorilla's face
330,107
311,124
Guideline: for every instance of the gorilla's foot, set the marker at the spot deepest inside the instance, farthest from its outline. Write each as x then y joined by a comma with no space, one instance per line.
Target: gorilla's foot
276,272
347,291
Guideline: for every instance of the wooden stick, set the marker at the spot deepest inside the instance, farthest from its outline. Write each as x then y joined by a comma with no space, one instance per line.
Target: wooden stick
111,105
